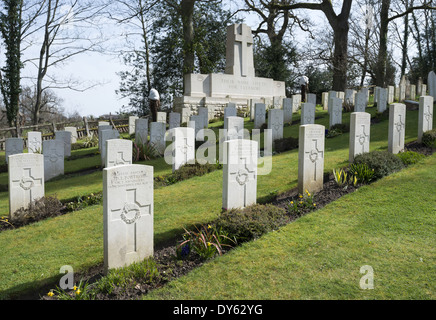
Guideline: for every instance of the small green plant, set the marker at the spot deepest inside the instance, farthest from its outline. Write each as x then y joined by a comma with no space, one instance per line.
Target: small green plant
361,173
80,292
382,162
206,241
341,177
145,151
305,203
85,201
90,142
410,157
429,139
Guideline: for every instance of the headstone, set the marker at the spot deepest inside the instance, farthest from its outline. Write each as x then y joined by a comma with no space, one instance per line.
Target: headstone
365,91
252,104
196,123
105,136
54,164
34,142
278,102
360,104
413,92
425,118
65,136
233,130
287,110
26,180
296,102
397,94
157,136
311,98
334,100
260,115
186,114
403,89
341,95
376,94
100,129
103,123
311,158
73,131
431,83
391,94
397,127
203,112
118,152
360,127
240,174
174,120
350,96
325,100
336,112
127,215
230,110
132,124
141,131
307,114
13,146
419,87
183,147
382,99
210,113
161,117
424,90
275,123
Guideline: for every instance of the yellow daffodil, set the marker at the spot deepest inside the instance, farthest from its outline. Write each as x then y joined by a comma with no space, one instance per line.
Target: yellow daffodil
208,244
209,226
50,294
78,292
75,288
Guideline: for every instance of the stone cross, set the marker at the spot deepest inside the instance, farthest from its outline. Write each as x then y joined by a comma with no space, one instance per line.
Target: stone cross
239,56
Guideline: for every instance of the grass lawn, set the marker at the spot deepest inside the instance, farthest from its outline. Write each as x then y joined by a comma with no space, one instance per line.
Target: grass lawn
32,256
389,226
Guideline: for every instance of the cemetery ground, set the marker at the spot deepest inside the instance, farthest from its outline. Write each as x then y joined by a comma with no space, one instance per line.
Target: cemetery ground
388,225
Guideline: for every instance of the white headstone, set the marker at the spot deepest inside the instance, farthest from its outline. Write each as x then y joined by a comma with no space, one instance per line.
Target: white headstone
403,89
141,131
157,136
54,164
230,110
275,123
233,129
210,112
307,114
13,146
287,110
360,128
26,180
252,107
34,142
132,124
161,117
105,136
349,96
325,100
397,127
425,118
175,120
240,174
413,92
431,83
397,94
424,90
336,112
341,95
382,99
391,94
296,102
186,114
100,129
73,131
65,136
196,123
311,158
360,104
278,102
118,152
204,114
311,98
127,215
260,115
183,147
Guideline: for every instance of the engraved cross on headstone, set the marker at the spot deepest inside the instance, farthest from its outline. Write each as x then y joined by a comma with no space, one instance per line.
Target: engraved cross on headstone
314,155
27,182
362,137
428,115
244,175
399,126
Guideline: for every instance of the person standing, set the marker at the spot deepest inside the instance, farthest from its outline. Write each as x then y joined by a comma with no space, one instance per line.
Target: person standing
154,99
304,83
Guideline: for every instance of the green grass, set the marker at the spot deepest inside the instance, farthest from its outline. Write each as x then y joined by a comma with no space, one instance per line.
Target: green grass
320,255
32,256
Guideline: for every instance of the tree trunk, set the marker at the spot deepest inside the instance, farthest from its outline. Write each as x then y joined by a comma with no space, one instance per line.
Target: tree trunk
340,56
383,51
406,39
187,14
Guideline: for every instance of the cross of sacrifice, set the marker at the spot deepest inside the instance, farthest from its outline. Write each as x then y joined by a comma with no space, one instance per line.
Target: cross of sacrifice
314,156
246,40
